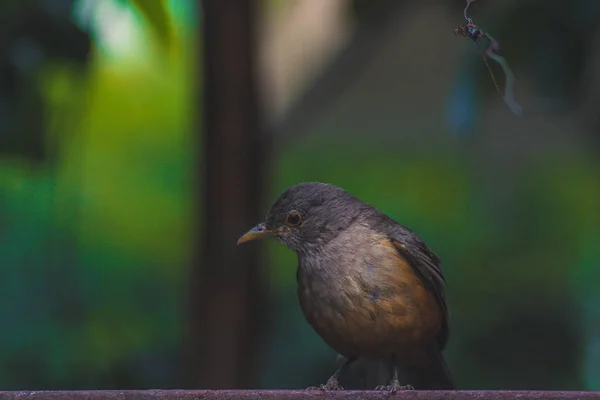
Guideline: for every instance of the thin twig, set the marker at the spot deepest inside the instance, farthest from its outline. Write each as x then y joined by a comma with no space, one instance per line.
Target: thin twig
473,32
491,73
509,91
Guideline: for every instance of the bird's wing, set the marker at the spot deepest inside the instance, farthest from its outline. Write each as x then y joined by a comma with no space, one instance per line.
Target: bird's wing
428,266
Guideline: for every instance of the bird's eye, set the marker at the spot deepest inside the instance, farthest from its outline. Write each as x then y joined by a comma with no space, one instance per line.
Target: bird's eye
293,218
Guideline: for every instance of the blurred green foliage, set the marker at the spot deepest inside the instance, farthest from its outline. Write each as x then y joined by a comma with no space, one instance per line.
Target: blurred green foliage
94,245
156,14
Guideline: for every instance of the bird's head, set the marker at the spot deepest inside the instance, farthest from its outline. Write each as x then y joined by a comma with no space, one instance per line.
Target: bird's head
307,216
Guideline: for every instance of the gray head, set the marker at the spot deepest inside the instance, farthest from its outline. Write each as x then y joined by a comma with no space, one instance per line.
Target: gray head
308,215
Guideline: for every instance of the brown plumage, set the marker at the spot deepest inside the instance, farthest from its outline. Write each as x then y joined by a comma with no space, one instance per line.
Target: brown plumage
368,286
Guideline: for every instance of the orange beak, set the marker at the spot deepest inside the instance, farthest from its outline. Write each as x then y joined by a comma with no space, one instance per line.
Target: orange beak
258,232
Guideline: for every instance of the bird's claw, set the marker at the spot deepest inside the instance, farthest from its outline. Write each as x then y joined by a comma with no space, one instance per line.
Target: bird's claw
332,384
394,386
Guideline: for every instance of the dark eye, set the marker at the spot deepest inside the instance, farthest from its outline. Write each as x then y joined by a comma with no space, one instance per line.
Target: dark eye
293,218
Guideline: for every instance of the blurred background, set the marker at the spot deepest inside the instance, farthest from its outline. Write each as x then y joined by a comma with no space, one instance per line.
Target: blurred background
139,139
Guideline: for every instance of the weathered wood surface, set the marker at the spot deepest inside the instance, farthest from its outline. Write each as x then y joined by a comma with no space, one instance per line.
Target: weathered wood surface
290,395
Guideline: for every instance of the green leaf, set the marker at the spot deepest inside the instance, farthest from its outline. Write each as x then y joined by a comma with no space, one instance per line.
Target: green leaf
156,13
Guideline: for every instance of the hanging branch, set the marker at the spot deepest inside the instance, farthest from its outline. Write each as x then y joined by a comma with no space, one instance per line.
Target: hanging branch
471,31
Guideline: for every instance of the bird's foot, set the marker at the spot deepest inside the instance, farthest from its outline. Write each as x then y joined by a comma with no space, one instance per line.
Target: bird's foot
394,386
332,384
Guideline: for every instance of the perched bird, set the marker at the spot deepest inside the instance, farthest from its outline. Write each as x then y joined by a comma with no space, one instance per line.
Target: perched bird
367,285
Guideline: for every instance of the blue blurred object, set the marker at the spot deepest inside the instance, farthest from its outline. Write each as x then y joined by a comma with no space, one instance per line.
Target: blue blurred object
462,109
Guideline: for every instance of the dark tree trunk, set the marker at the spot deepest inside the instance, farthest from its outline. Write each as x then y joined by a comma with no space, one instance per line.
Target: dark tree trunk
227,283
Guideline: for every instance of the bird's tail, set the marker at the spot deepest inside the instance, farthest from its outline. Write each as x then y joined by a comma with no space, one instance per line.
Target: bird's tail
367,373
434,376
374,373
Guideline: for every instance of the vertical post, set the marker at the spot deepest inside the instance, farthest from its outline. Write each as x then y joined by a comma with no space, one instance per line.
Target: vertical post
227,283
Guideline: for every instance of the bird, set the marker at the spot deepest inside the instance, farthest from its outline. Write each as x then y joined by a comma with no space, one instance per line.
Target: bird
369,286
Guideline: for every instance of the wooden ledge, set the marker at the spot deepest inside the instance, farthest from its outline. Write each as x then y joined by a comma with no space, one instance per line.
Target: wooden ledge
289,395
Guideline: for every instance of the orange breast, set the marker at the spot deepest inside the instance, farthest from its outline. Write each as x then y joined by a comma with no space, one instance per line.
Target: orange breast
376,306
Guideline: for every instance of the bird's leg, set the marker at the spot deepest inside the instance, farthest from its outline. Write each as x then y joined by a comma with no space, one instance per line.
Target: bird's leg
394,385
333,382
